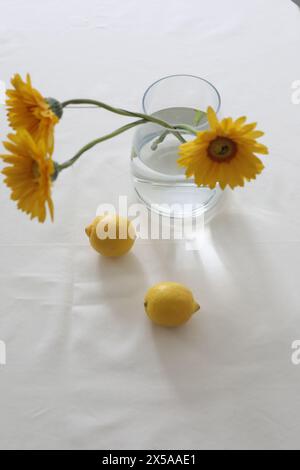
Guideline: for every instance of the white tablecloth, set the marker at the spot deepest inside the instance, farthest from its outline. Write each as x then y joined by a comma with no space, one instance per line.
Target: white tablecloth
85,367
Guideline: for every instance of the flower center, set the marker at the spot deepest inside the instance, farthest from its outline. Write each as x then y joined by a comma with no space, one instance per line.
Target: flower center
222,149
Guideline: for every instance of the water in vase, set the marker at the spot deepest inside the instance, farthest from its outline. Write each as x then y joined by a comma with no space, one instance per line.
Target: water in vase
158,180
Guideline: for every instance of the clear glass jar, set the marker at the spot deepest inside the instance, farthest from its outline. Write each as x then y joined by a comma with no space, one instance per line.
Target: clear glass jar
158,180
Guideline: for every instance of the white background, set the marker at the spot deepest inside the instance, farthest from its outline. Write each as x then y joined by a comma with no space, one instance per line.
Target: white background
85,368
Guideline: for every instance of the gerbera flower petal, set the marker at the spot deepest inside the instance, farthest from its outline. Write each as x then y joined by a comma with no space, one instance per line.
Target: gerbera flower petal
246,129
256,134
226,124
260,148
212,118
240,121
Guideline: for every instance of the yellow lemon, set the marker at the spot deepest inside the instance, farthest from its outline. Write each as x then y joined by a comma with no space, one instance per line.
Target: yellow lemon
111,235
170,304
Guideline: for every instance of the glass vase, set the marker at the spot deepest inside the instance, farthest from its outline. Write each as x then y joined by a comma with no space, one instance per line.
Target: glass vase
158,180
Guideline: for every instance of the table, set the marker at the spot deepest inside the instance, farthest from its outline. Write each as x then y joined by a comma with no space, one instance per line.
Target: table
85,368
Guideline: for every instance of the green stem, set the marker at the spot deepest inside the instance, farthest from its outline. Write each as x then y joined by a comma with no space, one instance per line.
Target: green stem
167,132
187,128
71,161
124,112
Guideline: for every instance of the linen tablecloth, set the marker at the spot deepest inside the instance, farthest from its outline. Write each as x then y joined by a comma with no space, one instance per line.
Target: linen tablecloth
85,368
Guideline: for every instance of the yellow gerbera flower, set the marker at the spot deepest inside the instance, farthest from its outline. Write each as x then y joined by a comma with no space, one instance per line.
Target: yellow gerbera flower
29,176
224,154
28,109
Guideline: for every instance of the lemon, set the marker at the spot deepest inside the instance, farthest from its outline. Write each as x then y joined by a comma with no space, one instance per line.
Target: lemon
170,304
111,235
